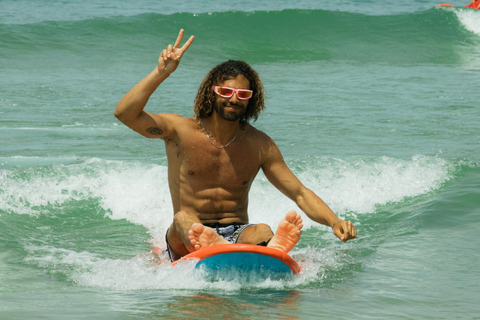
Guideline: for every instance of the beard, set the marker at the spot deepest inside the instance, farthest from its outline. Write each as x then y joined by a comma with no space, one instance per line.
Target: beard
228,115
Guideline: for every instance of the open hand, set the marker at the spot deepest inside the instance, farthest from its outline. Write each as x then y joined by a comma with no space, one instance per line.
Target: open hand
170,57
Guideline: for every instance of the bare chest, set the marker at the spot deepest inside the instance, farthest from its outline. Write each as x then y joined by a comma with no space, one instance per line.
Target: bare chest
235,165
201,165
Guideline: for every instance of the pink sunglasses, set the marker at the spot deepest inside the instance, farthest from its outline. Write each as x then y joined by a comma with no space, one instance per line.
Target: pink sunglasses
225,92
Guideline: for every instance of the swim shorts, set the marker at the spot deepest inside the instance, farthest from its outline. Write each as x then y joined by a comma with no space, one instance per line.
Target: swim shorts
230,232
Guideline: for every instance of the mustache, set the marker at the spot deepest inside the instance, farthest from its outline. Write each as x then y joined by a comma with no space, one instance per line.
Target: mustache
235,105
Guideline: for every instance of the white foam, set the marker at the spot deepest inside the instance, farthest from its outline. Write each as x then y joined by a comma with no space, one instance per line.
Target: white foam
76,124
354,186
139,192
126,190
140,272
470,19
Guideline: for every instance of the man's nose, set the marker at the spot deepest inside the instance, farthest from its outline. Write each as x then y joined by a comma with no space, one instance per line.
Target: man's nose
234,97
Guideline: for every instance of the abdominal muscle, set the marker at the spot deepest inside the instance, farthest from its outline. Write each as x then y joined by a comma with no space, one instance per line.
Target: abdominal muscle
198,192
214,205
209,182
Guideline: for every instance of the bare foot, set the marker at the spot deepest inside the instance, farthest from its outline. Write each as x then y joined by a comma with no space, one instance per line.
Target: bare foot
288,232
202,236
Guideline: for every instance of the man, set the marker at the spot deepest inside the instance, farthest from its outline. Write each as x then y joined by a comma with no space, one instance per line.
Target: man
214,157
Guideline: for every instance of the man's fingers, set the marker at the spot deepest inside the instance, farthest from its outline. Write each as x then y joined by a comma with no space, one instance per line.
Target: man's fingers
169,50
179,39
350,231
188,43
337,232
346,231
164,54
178,42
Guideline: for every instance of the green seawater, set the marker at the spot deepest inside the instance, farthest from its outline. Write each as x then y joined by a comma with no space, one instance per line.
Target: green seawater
373,105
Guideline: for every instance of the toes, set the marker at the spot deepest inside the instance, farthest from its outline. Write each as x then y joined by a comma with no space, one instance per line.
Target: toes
298,221
197,227
291,215
294,219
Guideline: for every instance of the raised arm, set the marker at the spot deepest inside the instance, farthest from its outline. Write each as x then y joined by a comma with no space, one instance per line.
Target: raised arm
278,173
130,108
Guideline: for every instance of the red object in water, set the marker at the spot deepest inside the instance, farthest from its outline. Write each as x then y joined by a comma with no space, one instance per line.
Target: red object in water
225,249
473,5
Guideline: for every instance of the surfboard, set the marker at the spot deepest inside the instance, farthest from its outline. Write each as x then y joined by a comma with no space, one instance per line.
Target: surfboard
473,5
243,258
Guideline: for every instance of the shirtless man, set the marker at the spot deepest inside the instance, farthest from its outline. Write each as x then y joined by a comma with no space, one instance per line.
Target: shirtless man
214,157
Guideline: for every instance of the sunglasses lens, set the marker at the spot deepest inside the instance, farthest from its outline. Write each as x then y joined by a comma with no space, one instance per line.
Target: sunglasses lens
244,94
225,92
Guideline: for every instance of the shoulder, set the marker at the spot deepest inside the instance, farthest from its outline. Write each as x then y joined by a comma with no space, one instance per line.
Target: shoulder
253,133
265,144
259,136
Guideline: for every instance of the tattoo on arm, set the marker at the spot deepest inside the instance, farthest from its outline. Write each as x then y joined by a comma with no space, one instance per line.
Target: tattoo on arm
155,131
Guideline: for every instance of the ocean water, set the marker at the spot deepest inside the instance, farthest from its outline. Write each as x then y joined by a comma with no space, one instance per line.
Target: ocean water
374,105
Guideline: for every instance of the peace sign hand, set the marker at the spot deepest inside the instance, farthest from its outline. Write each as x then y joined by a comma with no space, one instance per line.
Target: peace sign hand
170,57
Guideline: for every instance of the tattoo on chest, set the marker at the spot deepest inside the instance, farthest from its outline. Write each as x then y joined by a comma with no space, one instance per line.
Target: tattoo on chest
155,131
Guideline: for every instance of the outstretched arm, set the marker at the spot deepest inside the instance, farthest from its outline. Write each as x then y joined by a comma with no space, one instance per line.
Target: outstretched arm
278,173
130,108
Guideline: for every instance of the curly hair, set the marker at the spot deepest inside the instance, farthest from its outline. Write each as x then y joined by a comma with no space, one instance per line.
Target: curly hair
203,103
